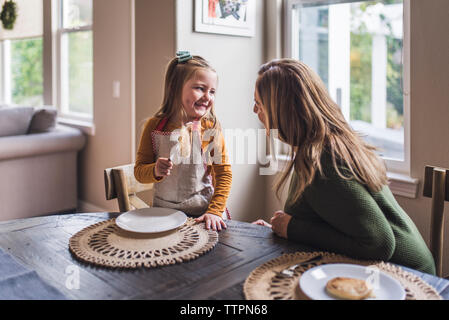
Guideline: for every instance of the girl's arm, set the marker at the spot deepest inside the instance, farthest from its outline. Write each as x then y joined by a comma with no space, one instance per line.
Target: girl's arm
145,159
349,220
222,176
223,179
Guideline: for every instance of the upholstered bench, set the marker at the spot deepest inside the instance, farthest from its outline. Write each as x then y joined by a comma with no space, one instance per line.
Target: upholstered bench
38,163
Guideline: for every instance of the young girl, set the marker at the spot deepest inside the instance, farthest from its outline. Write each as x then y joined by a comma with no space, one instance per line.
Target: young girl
173,148
338,198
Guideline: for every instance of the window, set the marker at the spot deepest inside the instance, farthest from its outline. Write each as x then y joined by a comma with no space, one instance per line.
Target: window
64,76
22,57
357,49
75,50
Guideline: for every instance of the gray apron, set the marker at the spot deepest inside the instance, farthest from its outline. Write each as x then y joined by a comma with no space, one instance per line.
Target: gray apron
189,187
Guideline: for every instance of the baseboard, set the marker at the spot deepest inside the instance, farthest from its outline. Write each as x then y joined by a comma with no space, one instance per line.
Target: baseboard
84,206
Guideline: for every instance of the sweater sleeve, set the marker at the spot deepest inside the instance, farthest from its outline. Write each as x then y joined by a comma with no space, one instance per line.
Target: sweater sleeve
145,158
348,220
223,179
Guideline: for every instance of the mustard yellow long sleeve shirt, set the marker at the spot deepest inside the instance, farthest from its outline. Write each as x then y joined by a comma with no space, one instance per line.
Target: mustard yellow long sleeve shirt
221,172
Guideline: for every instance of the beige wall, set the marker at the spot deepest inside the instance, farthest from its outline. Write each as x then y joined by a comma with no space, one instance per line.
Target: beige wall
236,60
111,144
155,46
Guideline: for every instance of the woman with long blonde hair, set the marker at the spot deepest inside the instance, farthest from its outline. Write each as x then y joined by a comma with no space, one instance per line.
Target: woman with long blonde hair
338,198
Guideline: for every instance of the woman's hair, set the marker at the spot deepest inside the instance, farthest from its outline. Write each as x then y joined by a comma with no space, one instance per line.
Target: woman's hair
176,75
297,103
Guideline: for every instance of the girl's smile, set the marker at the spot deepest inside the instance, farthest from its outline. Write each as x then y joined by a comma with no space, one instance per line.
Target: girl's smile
198,94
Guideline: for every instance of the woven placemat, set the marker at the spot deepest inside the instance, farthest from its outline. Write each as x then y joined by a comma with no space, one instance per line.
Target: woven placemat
264,283
105,244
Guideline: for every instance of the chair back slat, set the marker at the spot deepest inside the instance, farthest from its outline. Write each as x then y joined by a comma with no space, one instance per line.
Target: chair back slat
428,182
436,186
121,184
133,185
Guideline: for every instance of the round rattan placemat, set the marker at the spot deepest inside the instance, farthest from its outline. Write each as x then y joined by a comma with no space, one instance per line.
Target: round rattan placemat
105,244
264,283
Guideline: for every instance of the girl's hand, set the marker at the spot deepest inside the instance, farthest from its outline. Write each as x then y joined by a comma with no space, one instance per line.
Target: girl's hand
261,222
279,223
212,221
163,167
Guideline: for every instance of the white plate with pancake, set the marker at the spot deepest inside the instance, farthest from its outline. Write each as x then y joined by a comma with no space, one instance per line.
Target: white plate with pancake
382,286
151,220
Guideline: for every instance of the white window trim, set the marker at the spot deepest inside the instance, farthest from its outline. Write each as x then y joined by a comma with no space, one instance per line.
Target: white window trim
88,127
398,171
78,120
52,59
6,71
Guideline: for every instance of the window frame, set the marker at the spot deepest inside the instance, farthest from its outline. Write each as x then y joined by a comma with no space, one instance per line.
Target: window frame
393,165
60,96
6,93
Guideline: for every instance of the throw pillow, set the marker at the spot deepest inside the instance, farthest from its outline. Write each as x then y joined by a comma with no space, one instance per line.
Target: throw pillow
15,120
43,120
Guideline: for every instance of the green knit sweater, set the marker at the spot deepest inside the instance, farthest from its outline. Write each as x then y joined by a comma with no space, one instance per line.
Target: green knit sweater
344,217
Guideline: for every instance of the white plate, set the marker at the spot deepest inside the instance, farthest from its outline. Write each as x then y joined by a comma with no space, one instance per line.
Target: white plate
151,220
313,281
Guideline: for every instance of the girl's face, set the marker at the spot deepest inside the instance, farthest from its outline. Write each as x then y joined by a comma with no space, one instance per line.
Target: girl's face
198,94
259,110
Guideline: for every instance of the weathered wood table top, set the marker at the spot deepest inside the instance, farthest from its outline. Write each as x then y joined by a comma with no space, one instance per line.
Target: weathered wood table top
41,244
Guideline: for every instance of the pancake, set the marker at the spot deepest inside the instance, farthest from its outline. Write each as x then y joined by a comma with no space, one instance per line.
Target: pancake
348,288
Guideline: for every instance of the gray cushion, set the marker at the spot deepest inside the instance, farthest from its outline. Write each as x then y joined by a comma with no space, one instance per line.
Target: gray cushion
15,120
43,120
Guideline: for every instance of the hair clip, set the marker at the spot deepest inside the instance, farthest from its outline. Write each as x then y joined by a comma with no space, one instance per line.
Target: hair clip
183,56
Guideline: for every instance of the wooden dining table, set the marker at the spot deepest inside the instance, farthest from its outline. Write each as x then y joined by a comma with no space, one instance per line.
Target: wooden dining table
41,244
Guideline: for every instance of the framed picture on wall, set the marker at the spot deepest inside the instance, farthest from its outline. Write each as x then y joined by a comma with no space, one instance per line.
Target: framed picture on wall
231,17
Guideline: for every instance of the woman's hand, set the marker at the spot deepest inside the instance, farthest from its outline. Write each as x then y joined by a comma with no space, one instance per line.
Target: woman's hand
279,223
261,222
163,167
212,221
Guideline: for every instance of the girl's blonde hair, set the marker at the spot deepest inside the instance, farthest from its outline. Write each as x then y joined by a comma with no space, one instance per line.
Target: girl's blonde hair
297,103
176,75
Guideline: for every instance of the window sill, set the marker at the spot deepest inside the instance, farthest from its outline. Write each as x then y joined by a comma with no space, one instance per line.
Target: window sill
85,126
400,184
403,185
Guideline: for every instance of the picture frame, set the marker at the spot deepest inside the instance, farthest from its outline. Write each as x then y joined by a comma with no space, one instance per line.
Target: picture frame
230,17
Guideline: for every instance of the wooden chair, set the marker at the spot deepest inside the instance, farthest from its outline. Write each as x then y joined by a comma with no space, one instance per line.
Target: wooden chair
436,186
120,184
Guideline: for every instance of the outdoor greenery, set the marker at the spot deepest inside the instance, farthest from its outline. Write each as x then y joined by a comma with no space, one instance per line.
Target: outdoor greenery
361,46
81,72
27,71
361,59
395,98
